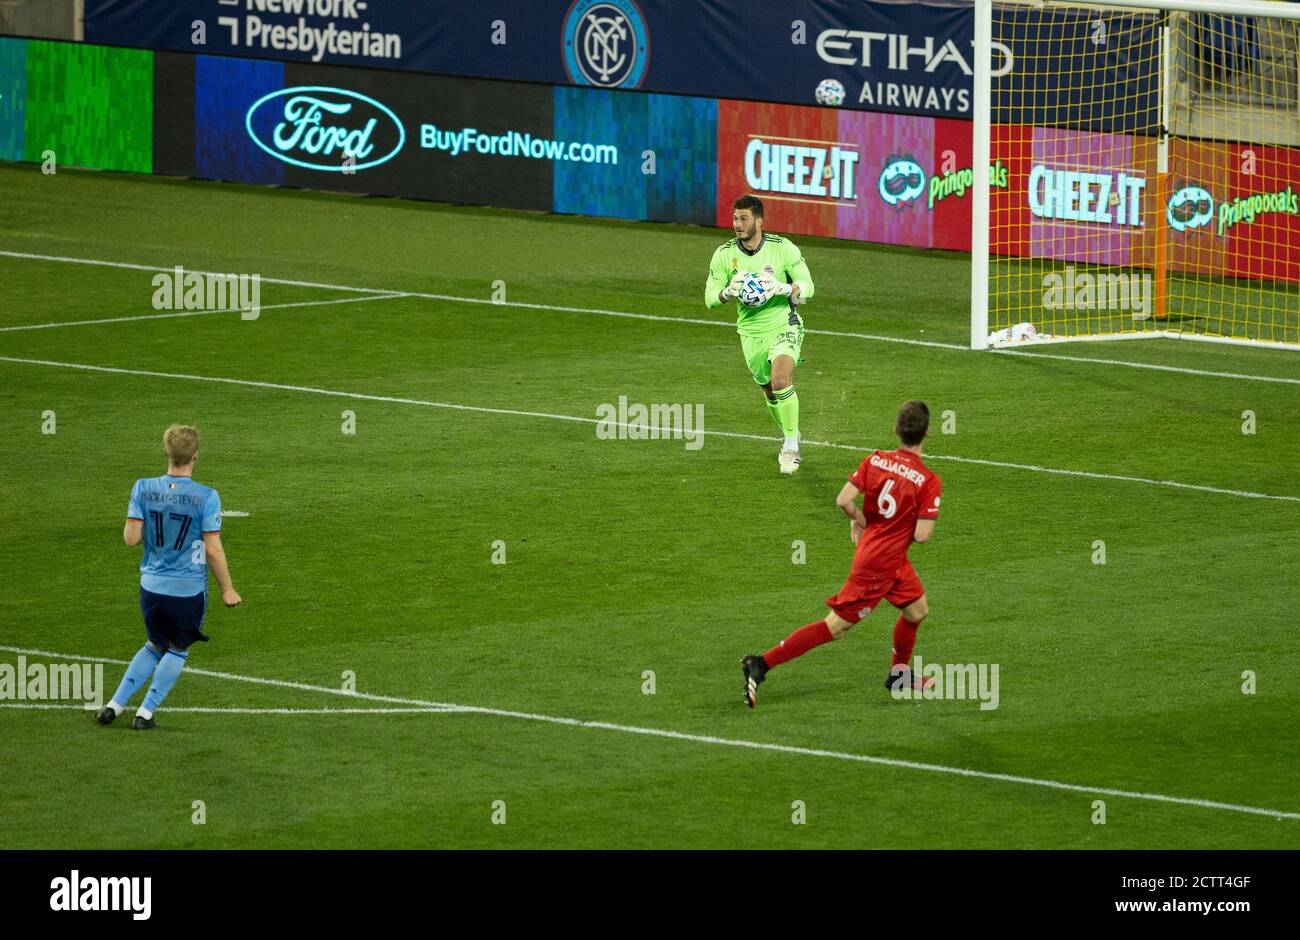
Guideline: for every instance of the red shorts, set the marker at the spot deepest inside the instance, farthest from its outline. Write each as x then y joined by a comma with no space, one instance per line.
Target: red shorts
862,592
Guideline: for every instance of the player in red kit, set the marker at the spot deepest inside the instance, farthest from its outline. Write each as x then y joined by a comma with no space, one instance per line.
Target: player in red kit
900,505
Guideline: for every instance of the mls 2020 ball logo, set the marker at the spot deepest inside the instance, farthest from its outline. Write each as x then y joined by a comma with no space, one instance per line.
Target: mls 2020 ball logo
327,129
606,43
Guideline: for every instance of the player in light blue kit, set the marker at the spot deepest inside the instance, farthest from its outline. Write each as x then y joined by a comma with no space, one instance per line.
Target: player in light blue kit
179,522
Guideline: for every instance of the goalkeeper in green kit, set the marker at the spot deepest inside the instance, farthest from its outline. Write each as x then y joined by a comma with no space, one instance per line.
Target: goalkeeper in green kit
768,279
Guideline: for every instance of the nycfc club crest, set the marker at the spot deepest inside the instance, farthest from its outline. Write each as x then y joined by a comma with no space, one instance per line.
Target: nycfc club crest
606,43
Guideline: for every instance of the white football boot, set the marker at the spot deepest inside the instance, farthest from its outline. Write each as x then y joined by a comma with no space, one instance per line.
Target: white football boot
788,461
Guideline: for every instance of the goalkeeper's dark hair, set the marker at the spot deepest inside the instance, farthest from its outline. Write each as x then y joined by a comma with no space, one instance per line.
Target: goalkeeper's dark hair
913,422
750,202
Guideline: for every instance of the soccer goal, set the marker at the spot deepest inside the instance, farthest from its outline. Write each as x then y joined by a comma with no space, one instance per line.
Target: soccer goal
1144,171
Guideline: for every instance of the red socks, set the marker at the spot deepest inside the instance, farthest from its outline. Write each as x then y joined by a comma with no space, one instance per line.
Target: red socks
904,640
801,641
815,634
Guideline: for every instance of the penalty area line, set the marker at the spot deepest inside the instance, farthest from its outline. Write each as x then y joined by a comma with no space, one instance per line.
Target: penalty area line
687,321
734,435
234,710
193,313
716,741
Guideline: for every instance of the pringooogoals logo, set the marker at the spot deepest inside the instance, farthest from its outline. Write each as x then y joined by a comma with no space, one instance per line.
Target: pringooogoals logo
901,181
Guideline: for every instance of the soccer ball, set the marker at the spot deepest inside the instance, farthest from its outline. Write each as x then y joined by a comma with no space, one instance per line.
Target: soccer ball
751,291
830,92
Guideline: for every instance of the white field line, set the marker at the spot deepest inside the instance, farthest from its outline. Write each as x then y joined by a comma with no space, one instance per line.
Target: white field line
192,313
99,262
480,409
199,710
1146,365
691,321
706,739
60,706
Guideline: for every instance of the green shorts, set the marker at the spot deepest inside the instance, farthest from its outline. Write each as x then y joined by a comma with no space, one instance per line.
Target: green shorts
759,351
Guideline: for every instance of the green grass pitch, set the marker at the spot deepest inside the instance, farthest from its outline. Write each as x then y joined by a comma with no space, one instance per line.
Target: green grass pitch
372,553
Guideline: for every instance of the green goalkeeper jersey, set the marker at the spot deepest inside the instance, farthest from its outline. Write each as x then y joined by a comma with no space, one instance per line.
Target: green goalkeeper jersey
774,254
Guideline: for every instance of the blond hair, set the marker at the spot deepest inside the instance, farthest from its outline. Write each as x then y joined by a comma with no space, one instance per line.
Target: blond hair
180,444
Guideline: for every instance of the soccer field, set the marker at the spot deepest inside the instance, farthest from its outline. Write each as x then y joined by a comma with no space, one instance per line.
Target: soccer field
519,691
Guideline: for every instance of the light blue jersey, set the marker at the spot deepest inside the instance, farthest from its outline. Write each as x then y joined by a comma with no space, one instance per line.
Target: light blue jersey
176,512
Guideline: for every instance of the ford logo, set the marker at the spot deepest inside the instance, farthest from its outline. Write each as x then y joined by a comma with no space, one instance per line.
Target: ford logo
317,128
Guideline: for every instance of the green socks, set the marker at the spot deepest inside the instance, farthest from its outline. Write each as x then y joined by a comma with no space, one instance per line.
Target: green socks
773,408
785,412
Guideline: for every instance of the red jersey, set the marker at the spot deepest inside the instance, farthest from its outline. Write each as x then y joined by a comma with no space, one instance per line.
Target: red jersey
897,489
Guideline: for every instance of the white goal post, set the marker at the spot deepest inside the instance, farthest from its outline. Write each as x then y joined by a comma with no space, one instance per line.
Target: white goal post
1143,171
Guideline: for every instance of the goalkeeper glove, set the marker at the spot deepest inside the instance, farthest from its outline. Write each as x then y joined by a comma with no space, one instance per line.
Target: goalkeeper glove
732,290
771,285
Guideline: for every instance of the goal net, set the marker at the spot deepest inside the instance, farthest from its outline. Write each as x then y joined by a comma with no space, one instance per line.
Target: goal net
1144,171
